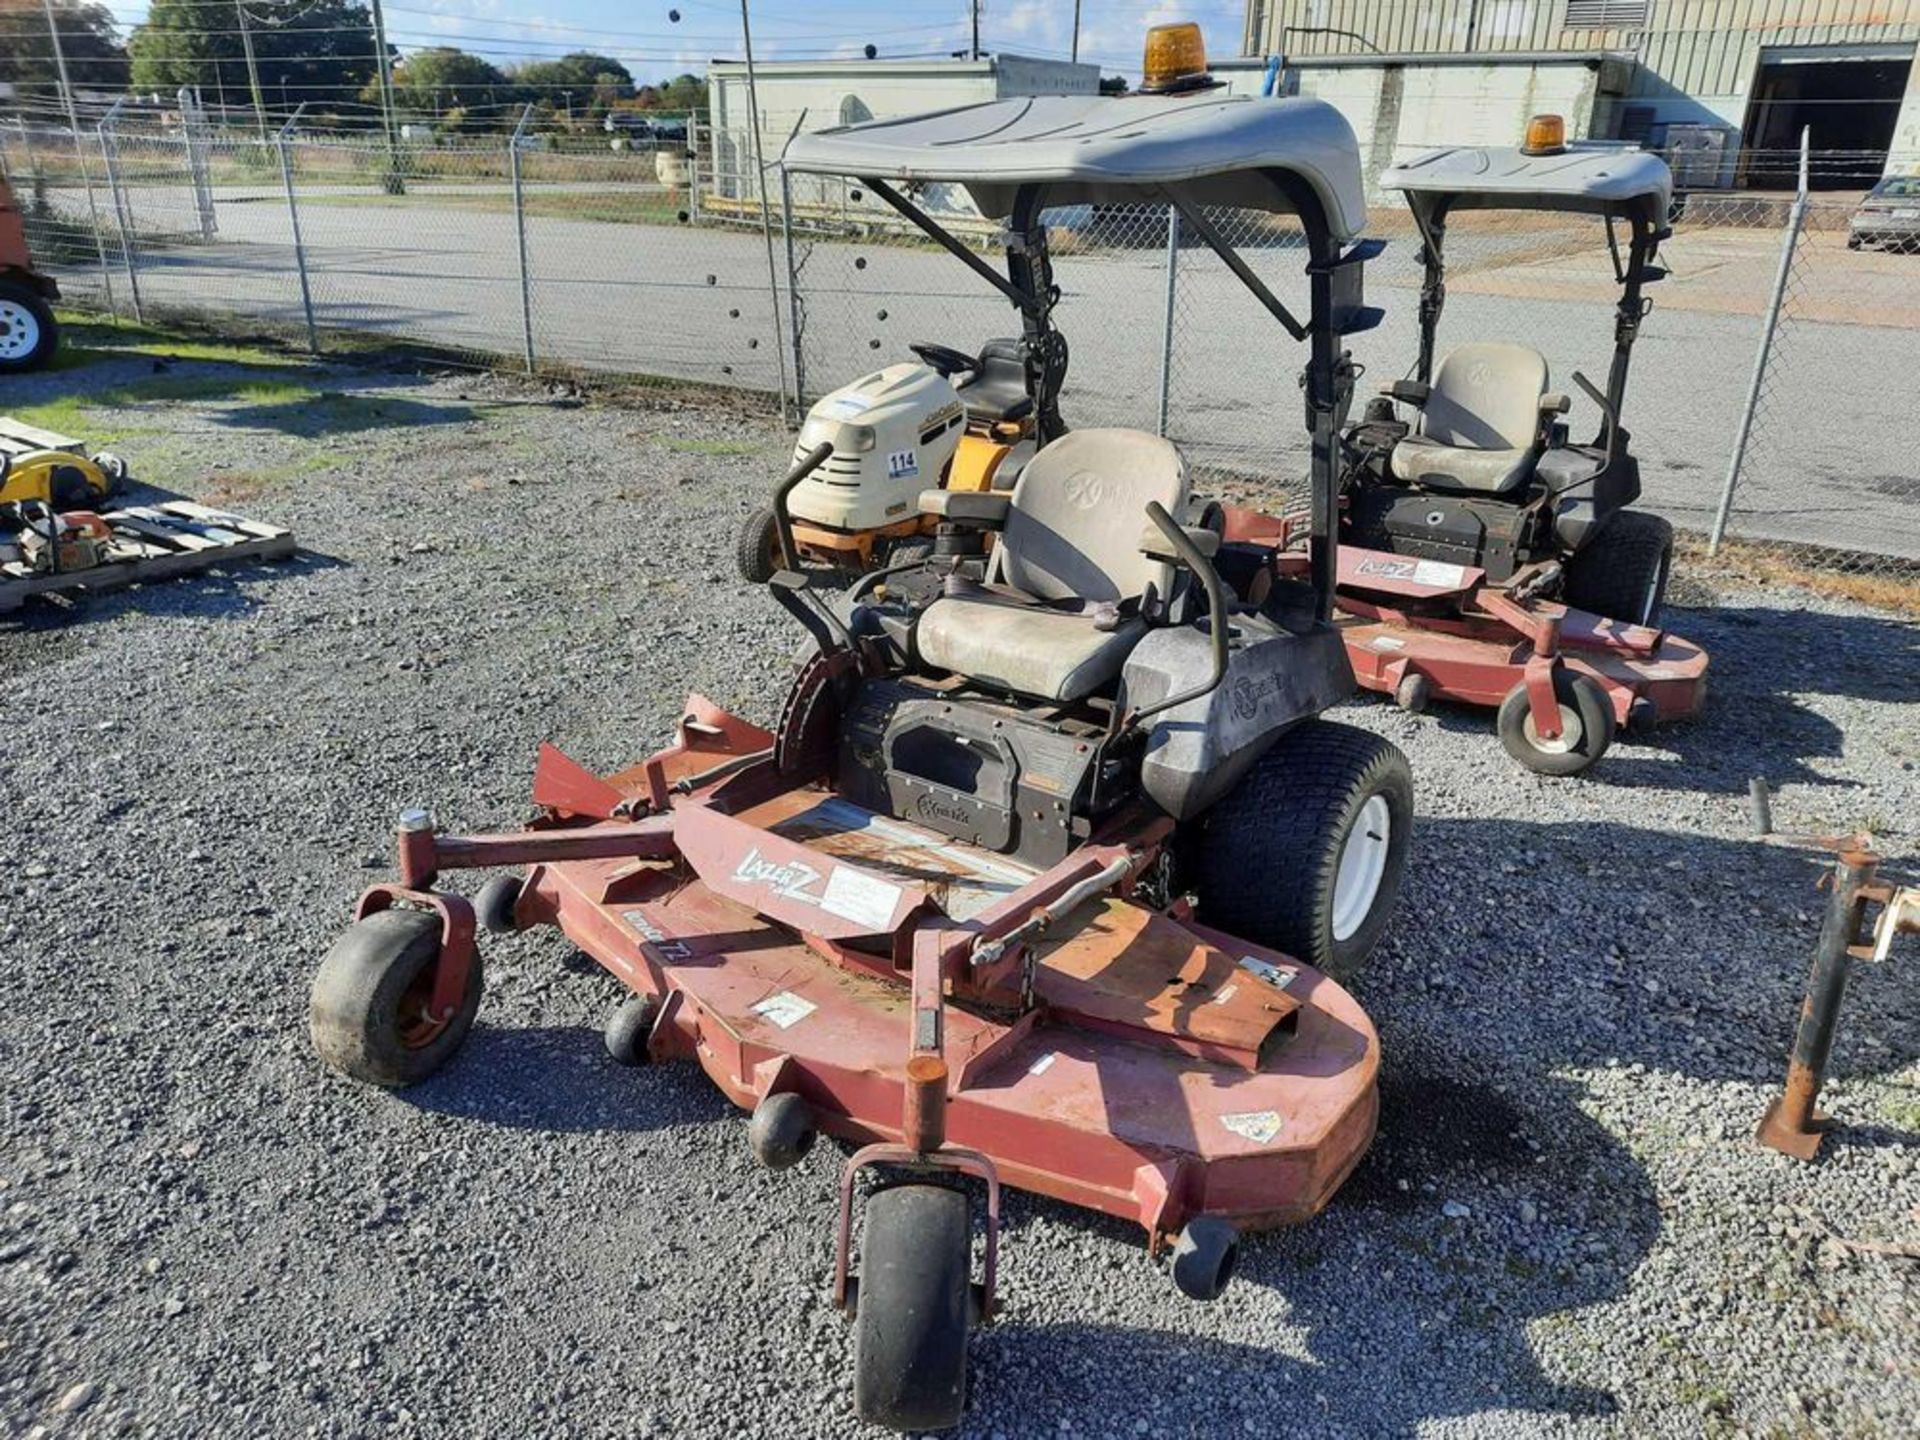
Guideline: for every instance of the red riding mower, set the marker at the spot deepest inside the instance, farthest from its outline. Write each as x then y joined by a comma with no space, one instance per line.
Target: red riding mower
1039,878
1484,557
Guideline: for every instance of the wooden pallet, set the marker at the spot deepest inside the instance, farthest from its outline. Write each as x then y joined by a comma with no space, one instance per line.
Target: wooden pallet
150,543
18,438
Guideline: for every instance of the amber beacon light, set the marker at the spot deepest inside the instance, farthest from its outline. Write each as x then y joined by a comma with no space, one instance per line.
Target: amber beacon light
1176,59
1546,135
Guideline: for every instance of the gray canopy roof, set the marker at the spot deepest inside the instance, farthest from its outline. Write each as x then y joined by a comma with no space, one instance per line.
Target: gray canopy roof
1101,149
1591,178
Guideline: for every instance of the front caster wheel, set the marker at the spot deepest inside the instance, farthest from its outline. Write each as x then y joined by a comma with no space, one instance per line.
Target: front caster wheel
757,550
1414,693
781,1131
910,1340
1204,1257
493,906
628,1028
370,1012
1586,726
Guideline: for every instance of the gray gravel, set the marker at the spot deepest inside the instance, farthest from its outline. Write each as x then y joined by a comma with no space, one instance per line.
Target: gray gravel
1584,1005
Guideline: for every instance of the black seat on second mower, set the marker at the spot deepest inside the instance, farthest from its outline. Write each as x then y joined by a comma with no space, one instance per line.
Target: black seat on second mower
997,391
1062,613
1480,430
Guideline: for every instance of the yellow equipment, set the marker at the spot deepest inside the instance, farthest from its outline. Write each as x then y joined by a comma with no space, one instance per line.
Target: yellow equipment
60,479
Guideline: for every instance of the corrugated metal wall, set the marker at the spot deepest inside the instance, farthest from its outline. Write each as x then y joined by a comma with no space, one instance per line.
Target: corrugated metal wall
1700,46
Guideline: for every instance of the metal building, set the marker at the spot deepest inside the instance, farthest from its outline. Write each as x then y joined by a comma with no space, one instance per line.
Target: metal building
1724,85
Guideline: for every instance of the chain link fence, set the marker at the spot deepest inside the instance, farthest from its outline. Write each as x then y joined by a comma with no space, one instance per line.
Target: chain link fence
1771,380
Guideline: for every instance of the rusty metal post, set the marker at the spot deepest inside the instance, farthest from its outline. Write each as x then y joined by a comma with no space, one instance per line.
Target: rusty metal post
1791,1124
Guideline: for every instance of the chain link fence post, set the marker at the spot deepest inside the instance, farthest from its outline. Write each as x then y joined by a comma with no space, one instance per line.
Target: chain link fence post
1789,243
1166,319
520,235
283,144
193,135
793,292
107,154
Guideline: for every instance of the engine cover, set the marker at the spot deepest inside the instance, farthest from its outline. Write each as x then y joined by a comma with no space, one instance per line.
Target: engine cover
1495,535
982,772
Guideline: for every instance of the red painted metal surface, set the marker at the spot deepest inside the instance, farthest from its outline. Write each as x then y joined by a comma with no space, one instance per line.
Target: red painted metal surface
1163,1070
456,938
1475,651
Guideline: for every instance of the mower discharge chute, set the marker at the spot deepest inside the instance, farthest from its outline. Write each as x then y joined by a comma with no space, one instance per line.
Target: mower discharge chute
1040,876
1484,557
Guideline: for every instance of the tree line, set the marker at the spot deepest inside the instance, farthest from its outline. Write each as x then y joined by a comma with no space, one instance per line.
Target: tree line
318,51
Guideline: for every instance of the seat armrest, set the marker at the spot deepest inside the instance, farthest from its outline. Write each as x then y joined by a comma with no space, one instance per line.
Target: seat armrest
1154,545
968,507
1407,392
1554,402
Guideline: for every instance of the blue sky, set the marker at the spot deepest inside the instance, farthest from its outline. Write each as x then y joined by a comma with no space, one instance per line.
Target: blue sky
653,46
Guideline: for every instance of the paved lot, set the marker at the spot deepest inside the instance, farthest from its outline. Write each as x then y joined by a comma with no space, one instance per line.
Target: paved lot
1584,1003
693,303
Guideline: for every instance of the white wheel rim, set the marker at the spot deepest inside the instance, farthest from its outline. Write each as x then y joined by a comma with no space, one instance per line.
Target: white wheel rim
1363,865
1566,740
19,331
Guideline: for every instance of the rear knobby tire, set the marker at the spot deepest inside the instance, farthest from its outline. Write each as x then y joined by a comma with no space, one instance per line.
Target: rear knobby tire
758,550
910,1336
1268,860
1586,726
28,332
1622,574
368,1012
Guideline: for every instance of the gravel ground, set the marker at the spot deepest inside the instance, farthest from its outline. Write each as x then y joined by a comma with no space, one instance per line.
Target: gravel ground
1584,1005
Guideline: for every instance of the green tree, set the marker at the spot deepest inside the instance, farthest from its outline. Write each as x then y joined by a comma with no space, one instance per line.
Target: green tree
586,84
684,92
95,57
433,82
320,51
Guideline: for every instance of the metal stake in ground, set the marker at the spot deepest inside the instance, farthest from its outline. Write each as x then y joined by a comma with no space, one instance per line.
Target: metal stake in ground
283,143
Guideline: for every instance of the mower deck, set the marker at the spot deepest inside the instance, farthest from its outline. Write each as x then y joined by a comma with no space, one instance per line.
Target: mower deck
1473,644
1162,1076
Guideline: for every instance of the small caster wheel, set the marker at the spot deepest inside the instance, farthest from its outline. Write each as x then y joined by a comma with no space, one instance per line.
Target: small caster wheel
1204,1257
370,1012
628,1028
493,906
910,1330
781,1131
1586,726
1642,716
1413,693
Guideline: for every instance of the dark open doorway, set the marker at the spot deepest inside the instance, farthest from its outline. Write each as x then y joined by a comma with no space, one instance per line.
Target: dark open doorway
1851,104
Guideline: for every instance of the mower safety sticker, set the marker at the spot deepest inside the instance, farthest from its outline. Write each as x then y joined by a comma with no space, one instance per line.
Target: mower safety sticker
1278,976
1044,1063
903,464
1438,572
785,1009
1259,1126
1227,992
1388,642
854,895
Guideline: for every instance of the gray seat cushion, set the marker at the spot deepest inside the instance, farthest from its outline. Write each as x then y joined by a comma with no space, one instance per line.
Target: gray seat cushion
1455,468
1479,431
1030,650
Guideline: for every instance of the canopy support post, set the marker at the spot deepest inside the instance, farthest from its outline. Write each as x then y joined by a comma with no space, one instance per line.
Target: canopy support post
927,226
1217,243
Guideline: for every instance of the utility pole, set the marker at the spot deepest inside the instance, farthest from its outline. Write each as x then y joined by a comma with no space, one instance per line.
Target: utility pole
253,70
766,212
393,184
975,8
73,123
1075,56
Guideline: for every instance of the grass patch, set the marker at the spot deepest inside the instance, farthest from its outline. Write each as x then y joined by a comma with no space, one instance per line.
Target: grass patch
88,338
1878,580
614,208
684,446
